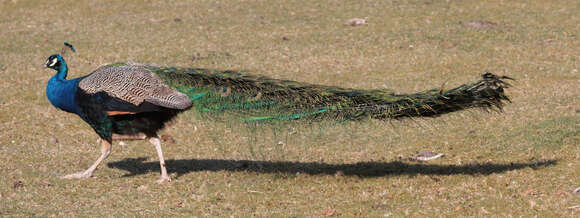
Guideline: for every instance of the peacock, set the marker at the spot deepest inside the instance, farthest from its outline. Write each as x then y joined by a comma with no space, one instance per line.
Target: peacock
135,101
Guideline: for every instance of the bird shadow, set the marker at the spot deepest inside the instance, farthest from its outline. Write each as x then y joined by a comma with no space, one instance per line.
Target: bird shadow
138,166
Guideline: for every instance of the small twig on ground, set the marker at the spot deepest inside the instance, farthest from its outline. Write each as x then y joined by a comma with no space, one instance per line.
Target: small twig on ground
252,191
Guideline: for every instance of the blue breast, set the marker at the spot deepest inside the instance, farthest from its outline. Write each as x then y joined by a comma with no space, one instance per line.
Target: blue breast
61,93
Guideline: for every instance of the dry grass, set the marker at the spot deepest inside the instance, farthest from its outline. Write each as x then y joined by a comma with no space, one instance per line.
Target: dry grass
523,162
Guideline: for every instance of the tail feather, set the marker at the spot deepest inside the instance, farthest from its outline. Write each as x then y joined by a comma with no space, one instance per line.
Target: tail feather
255,98
486,93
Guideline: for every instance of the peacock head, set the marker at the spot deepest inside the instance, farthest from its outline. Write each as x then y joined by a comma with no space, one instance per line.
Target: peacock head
54,62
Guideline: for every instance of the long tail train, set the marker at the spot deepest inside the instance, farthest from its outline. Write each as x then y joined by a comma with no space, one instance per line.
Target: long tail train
256,98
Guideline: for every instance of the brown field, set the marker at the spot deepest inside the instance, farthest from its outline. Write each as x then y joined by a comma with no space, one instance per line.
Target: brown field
522,162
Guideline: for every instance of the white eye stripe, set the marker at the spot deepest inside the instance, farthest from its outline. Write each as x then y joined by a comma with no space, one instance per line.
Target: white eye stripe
53,62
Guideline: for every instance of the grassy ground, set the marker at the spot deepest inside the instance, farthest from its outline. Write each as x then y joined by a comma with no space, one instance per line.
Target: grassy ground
523,162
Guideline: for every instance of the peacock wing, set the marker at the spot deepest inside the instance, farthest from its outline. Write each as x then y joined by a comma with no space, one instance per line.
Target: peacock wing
132,88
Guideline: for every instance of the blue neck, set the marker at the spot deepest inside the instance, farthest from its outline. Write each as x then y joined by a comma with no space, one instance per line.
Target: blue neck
62,71
61,92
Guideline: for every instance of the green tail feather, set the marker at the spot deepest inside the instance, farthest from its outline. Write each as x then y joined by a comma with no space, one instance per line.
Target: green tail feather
255,98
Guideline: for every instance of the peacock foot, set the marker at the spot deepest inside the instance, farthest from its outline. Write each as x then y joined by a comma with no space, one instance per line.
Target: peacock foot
79,175
163,180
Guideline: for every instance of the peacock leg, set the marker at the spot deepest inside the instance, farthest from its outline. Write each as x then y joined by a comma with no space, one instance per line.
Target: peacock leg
105,151
157,143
